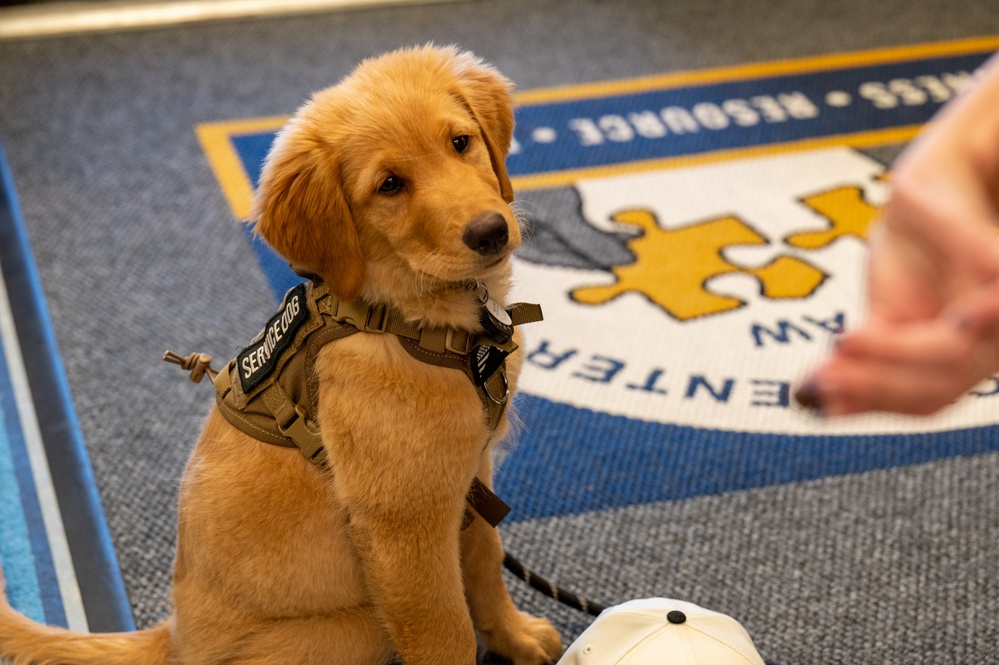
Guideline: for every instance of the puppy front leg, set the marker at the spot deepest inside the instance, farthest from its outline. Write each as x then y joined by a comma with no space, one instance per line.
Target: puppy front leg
415,578
401,472
524,639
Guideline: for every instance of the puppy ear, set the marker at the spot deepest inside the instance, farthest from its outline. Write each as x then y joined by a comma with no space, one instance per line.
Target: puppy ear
301,210
488,95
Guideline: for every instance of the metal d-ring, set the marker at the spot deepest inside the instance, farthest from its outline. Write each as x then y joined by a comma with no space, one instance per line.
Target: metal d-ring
506,389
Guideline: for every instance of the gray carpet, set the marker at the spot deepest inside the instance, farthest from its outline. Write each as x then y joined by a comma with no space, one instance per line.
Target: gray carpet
136,252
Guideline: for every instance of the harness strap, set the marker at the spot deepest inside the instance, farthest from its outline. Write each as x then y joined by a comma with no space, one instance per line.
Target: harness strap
291,420
484,501
525,312
380,319
239,419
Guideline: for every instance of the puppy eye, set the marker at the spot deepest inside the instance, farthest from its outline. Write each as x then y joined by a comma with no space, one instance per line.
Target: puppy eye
460,143
391,185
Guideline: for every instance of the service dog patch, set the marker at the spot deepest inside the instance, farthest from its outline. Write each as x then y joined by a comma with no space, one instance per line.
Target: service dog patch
257,361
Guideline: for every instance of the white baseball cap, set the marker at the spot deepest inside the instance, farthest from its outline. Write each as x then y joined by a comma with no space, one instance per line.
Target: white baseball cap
660,631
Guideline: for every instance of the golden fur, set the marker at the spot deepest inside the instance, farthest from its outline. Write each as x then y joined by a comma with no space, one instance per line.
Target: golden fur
279,562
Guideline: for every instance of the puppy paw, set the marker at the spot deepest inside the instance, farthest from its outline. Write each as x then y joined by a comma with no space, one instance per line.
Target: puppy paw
526,640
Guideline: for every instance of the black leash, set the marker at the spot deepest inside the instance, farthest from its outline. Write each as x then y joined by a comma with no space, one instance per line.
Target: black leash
542,585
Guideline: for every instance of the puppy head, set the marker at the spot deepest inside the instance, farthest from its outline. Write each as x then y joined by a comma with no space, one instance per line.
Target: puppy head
396,176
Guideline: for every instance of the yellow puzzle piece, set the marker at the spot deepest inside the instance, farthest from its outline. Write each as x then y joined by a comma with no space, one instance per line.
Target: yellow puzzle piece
848,214
673,267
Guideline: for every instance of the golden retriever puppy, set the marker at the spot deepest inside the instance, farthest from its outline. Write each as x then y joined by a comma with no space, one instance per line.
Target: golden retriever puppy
392,188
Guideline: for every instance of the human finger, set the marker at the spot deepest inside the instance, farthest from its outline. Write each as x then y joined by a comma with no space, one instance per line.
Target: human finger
939,343
903,368
846,386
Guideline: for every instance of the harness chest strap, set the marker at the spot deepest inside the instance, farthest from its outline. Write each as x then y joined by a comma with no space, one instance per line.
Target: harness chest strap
270,390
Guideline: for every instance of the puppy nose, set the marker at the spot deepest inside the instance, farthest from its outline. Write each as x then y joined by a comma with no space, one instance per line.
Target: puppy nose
487,233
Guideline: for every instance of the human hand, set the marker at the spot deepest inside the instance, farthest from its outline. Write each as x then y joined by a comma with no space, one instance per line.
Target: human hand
932,330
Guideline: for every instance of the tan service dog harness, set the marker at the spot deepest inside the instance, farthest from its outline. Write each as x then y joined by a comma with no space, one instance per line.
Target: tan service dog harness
270,390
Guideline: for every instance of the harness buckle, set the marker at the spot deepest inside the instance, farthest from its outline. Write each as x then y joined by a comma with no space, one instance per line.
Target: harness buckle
377,319
457,341
368,318
309,443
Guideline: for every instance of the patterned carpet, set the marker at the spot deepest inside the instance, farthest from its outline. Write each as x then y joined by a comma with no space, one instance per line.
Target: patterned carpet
698,179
